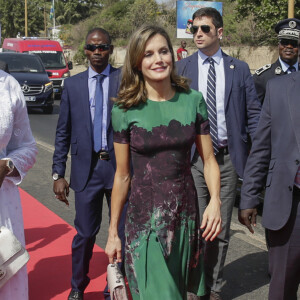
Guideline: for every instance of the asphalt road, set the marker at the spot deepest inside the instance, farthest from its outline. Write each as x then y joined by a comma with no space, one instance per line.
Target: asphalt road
246,269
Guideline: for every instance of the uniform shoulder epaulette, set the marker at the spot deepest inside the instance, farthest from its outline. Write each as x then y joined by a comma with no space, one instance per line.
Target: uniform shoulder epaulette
262,69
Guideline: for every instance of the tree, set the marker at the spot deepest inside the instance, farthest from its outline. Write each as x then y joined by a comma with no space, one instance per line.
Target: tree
12,17
73,11
266,14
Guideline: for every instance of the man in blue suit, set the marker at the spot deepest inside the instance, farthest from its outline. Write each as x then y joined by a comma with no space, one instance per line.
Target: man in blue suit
233,110
274,163
84,125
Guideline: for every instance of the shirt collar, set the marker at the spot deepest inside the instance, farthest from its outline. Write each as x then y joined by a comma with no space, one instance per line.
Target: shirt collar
285,66
217,57
105,72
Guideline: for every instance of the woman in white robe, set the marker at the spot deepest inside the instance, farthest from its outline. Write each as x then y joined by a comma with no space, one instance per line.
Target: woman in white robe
18,145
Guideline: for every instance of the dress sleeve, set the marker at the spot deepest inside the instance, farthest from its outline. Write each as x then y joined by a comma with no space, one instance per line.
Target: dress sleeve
202,123
120,125
21,148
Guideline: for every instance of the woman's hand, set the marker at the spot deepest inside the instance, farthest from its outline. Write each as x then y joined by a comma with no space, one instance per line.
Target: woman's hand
113,249
3,171
212,220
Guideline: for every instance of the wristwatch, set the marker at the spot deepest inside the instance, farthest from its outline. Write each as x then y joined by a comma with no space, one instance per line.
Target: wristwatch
9,165
56,176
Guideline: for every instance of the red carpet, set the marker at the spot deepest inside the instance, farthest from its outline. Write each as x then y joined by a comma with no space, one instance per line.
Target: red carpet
48,239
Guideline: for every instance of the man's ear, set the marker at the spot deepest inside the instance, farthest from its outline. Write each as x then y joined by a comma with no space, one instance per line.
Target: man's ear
220,33
111,50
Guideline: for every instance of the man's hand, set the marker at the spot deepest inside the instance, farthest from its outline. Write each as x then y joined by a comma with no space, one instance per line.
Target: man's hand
61,190
247,217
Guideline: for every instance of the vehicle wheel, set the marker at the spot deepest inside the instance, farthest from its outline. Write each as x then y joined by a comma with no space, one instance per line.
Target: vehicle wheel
48,110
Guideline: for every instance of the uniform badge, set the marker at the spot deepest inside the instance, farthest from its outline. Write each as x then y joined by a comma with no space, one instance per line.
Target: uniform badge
292,24
278,71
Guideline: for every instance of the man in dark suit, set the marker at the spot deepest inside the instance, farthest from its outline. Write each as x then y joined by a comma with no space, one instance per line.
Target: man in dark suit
288,33
274,163
233,110
84,124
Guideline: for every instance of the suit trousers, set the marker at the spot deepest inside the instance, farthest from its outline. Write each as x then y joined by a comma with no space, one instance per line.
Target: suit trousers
88,205
284,256
215,251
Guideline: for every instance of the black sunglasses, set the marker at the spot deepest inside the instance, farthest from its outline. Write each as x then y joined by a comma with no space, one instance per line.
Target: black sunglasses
204,28
285,43
101,47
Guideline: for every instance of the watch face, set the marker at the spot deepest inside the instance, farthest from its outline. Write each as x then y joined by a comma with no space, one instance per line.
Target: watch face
10,164
55,176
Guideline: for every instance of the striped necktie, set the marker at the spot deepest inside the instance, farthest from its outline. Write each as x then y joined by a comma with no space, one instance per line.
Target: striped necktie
97,134
211,103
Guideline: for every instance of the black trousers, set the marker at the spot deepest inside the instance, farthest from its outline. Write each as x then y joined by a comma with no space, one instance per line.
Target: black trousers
284,256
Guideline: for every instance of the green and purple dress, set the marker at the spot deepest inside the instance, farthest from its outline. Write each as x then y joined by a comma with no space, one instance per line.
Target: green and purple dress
163,239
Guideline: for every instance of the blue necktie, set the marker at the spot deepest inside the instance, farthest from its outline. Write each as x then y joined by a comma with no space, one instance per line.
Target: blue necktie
211,104
291,69
98,113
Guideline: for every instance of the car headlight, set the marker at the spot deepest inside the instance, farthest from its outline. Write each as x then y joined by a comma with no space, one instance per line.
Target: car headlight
66,74
48,87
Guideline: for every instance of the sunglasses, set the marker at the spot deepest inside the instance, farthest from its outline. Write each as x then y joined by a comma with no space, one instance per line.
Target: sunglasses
204,28
101,47
285,43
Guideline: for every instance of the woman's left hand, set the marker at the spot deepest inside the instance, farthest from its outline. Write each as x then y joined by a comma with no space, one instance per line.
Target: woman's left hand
212,222
113,249
3,171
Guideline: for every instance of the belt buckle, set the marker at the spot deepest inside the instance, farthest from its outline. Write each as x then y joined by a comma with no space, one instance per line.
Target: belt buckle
103,155
226,152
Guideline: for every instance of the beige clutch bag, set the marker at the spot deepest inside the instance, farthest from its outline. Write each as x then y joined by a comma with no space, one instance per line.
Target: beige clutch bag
13,256
116,283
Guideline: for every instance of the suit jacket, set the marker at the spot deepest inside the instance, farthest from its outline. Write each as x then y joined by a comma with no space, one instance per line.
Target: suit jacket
275,154
263,75
242,108
74,129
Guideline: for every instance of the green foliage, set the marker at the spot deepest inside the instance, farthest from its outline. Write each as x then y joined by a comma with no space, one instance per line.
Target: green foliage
120,18
73,11
79,57
142,11
265,15
12,17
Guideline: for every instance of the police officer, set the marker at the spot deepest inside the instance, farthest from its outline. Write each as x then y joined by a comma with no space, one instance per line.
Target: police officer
288,34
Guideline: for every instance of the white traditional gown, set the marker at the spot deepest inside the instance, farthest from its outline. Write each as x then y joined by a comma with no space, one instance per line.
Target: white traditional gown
16,143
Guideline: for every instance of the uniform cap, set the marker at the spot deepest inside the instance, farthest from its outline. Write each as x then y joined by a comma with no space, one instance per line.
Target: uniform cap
288,29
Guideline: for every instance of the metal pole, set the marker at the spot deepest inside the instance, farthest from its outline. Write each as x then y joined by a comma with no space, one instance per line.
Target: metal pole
53,14
26,25
291,8
45,19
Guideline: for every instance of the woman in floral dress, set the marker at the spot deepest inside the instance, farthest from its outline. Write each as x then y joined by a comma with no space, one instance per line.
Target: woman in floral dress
156,120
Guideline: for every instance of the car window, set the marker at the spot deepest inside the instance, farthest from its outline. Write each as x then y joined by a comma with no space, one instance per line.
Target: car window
52,59
23,63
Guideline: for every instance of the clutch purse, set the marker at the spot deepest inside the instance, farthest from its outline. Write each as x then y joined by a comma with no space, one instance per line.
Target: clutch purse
116,283
13,256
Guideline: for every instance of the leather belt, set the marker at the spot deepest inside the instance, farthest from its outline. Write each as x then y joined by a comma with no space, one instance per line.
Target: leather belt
103,155
224,150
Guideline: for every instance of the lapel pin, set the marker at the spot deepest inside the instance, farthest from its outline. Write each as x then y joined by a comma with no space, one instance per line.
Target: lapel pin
278,71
